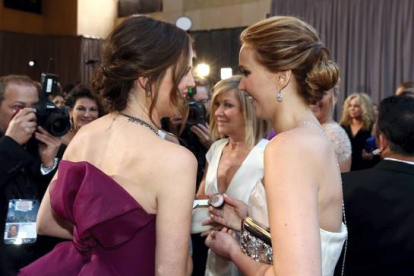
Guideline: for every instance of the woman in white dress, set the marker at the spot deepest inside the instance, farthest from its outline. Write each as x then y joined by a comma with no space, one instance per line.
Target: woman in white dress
323,111
235,160
286,68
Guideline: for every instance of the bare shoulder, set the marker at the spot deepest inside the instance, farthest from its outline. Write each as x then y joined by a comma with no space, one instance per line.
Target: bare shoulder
84,137
177,171
300,146
302,140
177,157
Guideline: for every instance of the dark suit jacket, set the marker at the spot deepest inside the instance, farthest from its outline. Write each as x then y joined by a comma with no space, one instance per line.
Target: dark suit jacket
20,177
379,207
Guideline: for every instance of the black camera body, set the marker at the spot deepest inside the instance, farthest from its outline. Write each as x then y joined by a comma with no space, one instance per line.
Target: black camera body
48,115
197,111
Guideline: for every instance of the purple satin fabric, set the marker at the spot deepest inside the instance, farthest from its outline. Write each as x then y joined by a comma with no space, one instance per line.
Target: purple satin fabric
113,235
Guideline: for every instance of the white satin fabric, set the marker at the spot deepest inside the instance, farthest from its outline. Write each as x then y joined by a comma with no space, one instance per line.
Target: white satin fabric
245,179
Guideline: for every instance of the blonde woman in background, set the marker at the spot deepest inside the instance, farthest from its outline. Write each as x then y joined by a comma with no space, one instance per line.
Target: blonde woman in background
323,111
357,120
235,160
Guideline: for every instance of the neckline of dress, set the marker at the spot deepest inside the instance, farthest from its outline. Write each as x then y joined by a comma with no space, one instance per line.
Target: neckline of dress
241,165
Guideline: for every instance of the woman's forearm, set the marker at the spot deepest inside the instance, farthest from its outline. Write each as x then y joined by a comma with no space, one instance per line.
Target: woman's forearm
250,267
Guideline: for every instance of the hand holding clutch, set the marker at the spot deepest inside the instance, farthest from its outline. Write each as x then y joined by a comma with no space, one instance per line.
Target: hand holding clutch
255,241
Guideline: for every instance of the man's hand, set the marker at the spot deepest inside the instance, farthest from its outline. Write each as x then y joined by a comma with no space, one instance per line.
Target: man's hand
49,146
203,134
22,126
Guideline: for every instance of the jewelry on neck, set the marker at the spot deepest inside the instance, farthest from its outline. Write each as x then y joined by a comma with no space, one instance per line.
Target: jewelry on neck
140,122
313,125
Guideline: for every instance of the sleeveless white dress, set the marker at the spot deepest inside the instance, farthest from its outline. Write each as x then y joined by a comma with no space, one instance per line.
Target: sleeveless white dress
244,180
331,242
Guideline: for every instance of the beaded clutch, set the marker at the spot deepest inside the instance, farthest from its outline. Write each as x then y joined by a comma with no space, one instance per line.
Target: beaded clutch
255,241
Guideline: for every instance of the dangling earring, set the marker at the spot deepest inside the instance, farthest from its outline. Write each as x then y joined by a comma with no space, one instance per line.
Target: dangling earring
148,93
279,95
71,123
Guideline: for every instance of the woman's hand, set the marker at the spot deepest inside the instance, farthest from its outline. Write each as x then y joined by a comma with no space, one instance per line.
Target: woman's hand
223,243
231,214
214,227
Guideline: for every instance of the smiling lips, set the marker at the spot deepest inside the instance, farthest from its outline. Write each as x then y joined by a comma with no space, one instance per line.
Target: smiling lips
86,121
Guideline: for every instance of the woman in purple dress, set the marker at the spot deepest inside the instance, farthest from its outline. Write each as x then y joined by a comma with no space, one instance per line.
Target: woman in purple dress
122,194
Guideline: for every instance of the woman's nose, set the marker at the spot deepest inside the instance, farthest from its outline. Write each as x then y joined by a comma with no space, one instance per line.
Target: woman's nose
191,82
219,111
241,84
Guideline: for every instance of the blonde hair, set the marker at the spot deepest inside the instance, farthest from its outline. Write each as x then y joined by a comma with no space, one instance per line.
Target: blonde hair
255,129
368,117
284,43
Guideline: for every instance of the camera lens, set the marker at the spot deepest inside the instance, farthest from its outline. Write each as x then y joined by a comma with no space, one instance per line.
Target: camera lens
193,116
196,114
57,124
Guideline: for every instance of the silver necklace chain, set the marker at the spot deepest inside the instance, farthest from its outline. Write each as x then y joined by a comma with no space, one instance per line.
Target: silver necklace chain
343,205
140,122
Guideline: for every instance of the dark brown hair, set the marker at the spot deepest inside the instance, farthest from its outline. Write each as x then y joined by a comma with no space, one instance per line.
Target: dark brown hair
283,43
83,91
142,47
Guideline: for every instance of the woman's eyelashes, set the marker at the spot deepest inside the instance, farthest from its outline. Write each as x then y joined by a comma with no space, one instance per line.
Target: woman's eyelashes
225,104
244,72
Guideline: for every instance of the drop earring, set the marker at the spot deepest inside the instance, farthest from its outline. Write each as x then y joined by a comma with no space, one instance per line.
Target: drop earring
148,93
279,95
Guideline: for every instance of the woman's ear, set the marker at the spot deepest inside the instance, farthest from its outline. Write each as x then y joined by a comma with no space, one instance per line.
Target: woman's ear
383,145
143,82
283,78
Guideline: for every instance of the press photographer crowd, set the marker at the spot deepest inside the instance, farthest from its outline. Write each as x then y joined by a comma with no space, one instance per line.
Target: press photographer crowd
149,170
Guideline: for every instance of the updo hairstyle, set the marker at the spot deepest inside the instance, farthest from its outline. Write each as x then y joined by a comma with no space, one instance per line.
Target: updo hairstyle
142,47
283,43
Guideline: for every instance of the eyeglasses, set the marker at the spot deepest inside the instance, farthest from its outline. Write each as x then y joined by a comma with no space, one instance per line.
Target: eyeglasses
204,101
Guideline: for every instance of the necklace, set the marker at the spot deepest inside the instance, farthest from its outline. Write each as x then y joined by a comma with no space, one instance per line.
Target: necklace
140,122
314,126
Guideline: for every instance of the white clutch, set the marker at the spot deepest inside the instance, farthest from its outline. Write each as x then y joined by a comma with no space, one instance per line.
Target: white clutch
200,214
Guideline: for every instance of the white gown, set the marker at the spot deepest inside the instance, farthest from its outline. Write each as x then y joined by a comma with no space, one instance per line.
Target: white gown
331,242
245,179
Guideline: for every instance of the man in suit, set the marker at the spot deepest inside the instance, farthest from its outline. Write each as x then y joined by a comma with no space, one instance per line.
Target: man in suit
26,166
379,202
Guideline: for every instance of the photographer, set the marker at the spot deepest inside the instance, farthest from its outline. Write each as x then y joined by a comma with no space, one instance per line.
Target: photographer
27,162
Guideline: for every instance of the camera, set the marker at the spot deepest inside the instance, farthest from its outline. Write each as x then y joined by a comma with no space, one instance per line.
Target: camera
48,116
197,111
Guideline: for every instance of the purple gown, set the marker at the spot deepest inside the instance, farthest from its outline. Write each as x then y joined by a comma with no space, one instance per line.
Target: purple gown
112,234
